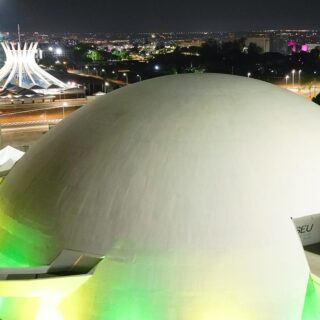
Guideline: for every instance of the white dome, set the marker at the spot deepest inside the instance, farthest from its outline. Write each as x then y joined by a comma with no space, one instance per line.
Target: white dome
187,184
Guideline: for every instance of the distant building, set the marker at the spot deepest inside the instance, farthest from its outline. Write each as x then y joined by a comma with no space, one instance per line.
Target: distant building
190,43
279,45
312,46
262,42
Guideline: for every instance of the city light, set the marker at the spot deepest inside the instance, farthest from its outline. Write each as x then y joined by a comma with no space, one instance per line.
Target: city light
59,51
287,78
126,76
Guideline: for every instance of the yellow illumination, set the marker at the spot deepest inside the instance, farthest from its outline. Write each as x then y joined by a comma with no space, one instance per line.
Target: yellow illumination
48,309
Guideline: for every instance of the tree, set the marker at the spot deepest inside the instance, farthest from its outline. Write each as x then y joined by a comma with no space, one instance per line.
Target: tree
120,54
47,60
94,55
254,49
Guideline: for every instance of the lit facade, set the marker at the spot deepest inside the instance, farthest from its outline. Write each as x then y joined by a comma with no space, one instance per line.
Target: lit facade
21,69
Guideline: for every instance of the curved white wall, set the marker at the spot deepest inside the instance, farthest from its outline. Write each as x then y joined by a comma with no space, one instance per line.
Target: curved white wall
187,182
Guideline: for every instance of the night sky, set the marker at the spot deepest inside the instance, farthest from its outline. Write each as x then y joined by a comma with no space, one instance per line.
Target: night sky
157,15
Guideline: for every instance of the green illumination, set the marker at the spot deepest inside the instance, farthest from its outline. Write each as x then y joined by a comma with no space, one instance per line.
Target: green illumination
18,308
21,245
145,286
311,310
38,299
122,295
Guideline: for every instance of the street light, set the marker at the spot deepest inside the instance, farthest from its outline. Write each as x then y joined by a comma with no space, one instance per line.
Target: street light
293,72
87,68
63,105
157,67
59,51
139,77
249,74
287,78
106,84
299,75
125,75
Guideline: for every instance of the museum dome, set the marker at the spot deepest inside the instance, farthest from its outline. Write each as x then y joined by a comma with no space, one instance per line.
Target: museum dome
203,172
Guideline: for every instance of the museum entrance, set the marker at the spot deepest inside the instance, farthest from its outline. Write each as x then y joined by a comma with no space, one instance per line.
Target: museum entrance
308,228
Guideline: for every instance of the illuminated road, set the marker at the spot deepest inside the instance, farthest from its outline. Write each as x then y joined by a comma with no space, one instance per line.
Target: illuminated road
40,115
114,81
308,92
39,105
23,125
39,111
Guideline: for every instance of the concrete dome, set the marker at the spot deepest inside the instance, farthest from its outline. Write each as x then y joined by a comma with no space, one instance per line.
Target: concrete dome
187,184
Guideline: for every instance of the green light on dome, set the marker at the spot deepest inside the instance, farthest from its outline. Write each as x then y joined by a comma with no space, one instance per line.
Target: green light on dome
311,310
21,245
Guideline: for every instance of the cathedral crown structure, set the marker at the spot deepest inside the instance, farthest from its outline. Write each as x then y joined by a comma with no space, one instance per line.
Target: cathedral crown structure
21,69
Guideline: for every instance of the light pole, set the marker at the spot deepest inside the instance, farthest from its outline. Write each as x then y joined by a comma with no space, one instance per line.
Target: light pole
287,78
87,68
249,74
106,84
63,105
293,72
125,75
139,77
299,77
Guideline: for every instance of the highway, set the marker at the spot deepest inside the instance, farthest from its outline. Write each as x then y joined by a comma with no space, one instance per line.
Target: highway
42,115
307,91
22,125
29,106
39,111
114,81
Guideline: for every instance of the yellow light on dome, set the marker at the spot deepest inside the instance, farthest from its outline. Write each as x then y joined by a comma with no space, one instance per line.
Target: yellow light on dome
48,309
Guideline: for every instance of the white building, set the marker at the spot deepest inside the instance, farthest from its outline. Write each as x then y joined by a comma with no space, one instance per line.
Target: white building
21,69
185,186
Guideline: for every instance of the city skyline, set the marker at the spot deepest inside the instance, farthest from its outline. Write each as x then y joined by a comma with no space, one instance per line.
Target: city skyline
203,15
